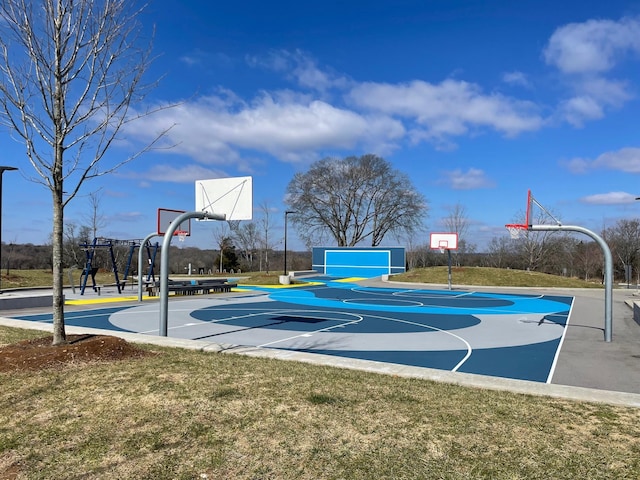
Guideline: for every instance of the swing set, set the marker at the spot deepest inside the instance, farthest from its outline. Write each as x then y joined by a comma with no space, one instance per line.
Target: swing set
90,270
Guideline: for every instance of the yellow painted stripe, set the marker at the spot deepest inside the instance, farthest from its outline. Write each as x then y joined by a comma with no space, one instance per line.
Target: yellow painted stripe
296,285
103,300
350,279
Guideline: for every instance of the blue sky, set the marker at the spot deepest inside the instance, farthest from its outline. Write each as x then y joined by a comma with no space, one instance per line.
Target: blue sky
476,101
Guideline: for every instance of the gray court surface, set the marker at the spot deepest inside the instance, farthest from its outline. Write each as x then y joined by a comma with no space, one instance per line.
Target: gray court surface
539,341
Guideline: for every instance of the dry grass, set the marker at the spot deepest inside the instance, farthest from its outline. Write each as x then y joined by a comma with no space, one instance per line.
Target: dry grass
461,276
44,278
189,415
492,277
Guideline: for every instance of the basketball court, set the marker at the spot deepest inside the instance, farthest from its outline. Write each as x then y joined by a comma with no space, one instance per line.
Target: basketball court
502,335
337,314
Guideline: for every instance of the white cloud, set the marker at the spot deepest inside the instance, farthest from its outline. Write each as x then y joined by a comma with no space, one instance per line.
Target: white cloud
592,46
309,120
216,130
472,179
585,53
624,160
576,165
450,108
301,68
175,173
611,198
593,97
516,78
202,58
608,92
578,110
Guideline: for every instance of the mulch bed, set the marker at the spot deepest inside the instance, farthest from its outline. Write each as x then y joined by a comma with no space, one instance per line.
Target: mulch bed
39,353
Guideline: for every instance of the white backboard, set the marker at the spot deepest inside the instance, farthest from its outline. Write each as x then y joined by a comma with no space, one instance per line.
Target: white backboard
447,241
232,197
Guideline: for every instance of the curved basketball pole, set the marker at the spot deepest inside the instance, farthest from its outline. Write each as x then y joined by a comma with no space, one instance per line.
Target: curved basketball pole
140,262
608,269
164,261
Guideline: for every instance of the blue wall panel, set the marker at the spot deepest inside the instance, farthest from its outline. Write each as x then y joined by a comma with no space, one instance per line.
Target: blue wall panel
358,262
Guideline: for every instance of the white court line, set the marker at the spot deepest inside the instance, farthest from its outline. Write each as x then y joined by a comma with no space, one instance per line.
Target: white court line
309,334
426,294
408,303
564,333
205,323
469,348
342,324
429,327
418,293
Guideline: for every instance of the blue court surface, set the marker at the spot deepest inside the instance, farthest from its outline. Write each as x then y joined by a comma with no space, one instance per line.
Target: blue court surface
500,335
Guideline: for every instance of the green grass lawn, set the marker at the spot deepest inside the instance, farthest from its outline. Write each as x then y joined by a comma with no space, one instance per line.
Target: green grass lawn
192,415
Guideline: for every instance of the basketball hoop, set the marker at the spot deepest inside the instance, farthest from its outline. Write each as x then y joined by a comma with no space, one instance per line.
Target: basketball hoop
516,230
181,234
233,225
442,249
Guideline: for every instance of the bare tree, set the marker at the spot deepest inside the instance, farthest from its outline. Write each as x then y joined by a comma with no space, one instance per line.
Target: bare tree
533,248
589,258
499,252
457,221
624,240
73,253
414,243
7,254
222,239
95,217
248,237
265,239
355,199
71,71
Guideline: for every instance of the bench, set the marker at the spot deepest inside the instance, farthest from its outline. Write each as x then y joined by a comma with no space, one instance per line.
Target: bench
98,288
193,287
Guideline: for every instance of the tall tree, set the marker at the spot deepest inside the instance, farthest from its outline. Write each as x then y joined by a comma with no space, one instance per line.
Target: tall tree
355,199
70,73
624,240
95,217
247,236
222,239
458,222
265,227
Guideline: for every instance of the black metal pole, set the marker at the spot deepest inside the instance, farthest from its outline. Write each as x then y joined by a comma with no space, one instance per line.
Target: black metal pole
2,170
285,244
449,275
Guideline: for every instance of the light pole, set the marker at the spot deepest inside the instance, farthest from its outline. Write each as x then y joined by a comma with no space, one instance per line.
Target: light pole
2,170
286,214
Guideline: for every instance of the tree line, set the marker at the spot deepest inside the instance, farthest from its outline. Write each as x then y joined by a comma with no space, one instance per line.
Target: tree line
557,253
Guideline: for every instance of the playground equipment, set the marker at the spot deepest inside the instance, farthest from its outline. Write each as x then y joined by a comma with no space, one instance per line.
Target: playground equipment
90,270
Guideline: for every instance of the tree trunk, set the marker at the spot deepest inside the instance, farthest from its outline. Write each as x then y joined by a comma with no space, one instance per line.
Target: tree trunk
59,334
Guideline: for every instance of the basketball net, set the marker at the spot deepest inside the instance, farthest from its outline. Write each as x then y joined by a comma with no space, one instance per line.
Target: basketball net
182,235
233,225
515,230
